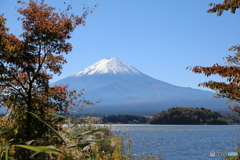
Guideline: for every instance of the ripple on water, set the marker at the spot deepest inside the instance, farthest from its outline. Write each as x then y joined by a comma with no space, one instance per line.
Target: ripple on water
181,141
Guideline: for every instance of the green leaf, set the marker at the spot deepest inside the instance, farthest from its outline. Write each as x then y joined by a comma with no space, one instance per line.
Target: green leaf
52,129
45,149
91,132
80,145
57,115
92,141
2,155
105,140
6,154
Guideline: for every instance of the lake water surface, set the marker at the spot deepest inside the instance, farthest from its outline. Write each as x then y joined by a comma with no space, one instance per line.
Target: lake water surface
182,142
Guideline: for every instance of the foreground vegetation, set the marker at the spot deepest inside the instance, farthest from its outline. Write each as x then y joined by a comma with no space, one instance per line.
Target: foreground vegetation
79,141
182,115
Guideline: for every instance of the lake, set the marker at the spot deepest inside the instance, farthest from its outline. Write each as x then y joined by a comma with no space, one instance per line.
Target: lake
181,142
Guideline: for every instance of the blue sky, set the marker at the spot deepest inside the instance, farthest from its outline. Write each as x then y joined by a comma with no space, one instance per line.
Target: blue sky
159,38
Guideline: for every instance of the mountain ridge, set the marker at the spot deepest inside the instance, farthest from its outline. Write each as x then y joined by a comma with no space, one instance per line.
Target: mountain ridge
118,83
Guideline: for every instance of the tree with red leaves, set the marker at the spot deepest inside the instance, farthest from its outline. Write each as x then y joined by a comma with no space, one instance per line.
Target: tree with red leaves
231,5
27,63
231,71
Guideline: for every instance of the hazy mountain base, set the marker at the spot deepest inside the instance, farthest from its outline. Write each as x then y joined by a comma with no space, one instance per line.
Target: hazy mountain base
155,107
122,88
145,108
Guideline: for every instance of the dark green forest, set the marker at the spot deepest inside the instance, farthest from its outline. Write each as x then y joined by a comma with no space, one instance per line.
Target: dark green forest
183,115
124,119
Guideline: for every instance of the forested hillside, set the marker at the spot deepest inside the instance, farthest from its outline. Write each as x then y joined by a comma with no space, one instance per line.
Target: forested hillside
182,115
124,119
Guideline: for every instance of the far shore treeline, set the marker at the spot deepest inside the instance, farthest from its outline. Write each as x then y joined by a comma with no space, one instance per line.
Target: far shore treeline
176,115
125,119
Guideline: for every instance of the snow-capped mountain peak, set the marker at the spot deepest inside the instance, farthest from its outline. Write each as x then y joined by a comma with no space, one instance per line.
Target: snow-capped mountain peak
106,66
123,90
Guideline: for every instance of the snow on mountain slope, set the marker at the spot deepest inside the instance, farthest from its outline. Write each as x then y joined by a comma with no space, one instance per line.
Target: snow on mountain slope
109,65
112,73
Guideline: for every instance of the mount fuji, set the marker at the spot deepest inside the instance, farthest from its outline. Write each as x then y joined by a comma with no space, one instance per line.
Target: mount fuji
125,90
